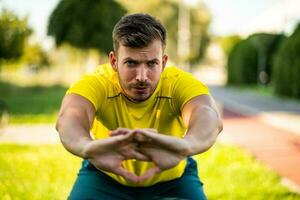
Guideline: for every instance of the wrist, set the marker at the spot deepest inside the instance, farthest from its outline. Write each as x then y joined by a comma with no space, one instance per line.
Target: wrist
85,149
191,144
198,145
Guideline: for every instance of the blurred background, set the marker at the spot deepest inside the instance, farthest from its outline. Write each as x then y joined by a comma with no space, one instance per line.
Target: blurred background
247,52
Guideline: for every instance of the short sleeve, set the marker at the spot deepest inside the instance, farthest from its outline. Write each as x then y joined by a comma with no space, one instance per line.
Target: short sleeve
185,88
91,87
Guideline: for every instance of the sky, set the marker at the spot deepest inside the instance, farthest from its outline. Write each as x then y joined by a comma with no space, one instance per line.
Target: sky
37,10
229,16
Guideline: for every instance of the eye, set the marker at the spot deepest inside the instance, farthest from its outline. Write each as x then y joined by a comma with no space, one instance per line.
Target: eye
131,63
152,63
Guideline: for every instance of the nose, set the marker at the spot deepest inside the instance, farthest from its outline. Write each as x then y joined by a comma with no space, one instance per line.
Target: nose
141,74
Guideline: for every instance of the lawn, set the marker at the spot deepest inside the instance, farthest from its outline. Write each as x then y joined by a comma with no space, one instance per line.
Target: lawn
256,89
47,172
34,104
262,90
36,172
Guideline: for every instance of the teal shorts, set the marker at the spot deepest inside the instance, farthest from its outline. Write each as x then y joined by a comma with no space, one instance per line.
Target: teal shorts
94,184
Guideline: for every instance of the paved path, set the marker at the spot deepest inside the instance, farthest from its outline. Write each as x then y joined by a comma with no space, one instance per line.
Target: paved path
269,128
281,113
277,148
30,134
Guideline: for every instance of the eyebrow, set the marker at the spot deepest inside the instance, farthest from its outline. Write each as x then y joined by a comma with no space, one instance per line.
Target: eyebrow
139,61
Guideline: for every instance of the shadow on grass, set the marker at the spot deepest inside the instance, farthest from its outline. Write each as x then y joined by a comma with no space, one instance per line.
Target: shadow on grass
33,100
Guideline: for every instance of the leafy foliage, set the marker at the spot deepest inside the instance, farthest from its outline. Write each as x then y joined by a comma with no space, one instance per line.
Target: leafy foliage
287,66
13,34
250,60
167,12
35,57
85,24
227,43
242,64
266,45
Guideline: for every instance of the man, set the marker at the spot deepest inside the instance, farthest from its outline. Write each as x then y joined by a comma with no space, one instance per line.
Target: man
146,121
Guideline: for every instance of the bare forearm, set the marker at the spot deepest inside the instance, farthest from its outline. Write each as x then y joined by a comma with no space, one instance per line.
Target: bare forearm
73,130
204,127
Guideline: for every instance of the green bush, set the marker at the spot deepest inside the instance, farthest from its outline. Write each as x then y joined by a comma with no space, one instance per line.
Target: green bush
250,60
286,67
242,62
14,33
266,46
228,42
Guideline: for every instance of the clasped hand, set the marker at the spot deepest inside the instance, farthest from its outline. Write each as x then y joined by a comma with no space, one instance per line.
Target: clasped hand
140,144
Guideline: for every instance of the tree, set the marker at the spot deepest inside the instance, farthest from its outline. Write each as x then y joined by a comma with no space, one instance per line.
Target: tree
85,24
266,45
13,35
242,64
35,57
286,68
167,12
250,60
228,42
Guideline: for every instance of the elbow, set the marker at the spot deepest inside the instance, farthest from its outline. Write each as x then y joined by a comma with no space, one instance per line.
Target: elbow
58,122
219,125
61,128
212,137
57,125
210,141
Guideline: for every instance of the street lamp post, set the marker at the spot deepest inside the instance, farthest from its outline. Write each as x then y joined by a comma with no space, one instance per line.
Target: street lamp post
184,35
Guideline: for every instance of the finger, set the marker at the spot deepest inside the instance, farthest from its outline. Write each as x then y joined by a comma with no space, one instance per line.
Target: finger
119,140
149,173
134,154
139,156
151,130
141,138
128,136
116,132
126,174
120,131
150,135
169,142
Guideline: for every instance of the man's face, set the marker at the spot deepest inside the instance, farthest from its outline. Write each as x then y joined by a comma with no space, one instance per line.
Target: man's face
139,69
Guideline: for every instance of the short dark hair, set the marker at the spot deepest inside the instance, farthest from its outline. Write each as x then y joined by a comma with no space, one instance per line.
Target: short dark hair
138,30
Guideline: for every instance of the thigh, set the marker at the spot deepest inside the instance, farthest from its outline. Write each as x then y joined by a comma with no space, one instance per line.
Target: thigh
188,187
93,184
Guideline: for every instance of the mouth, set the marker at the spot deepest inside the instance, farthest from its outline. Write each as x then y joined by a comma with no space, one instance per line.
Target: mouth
141,89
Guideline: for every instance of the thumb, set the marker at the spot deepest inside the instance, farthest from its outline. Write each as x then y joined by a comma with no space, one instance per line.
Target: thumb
149,173
126,174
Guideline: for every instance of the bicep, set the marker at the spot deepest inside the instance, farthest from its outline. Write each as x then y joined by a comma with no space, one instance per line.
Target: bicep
78,105
196,103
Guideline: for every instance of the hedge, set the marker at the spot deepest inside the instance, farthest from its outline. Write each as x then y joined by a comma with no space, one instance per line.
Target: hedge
252,56
286,67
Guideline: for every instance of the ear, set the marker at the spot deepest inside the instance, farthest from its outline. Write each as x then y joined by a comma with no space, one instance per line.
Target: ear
113,60
164,61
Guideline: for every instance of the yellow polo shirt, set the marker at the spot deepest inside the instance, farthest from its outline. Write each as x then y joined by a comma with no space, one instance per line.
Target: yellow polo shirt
162,111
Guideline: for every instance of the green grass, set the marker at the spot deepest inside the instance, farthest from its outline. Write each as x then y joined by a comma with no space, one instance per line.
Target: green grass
231,173
36,172
34,104
258,89
48,172
262,90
